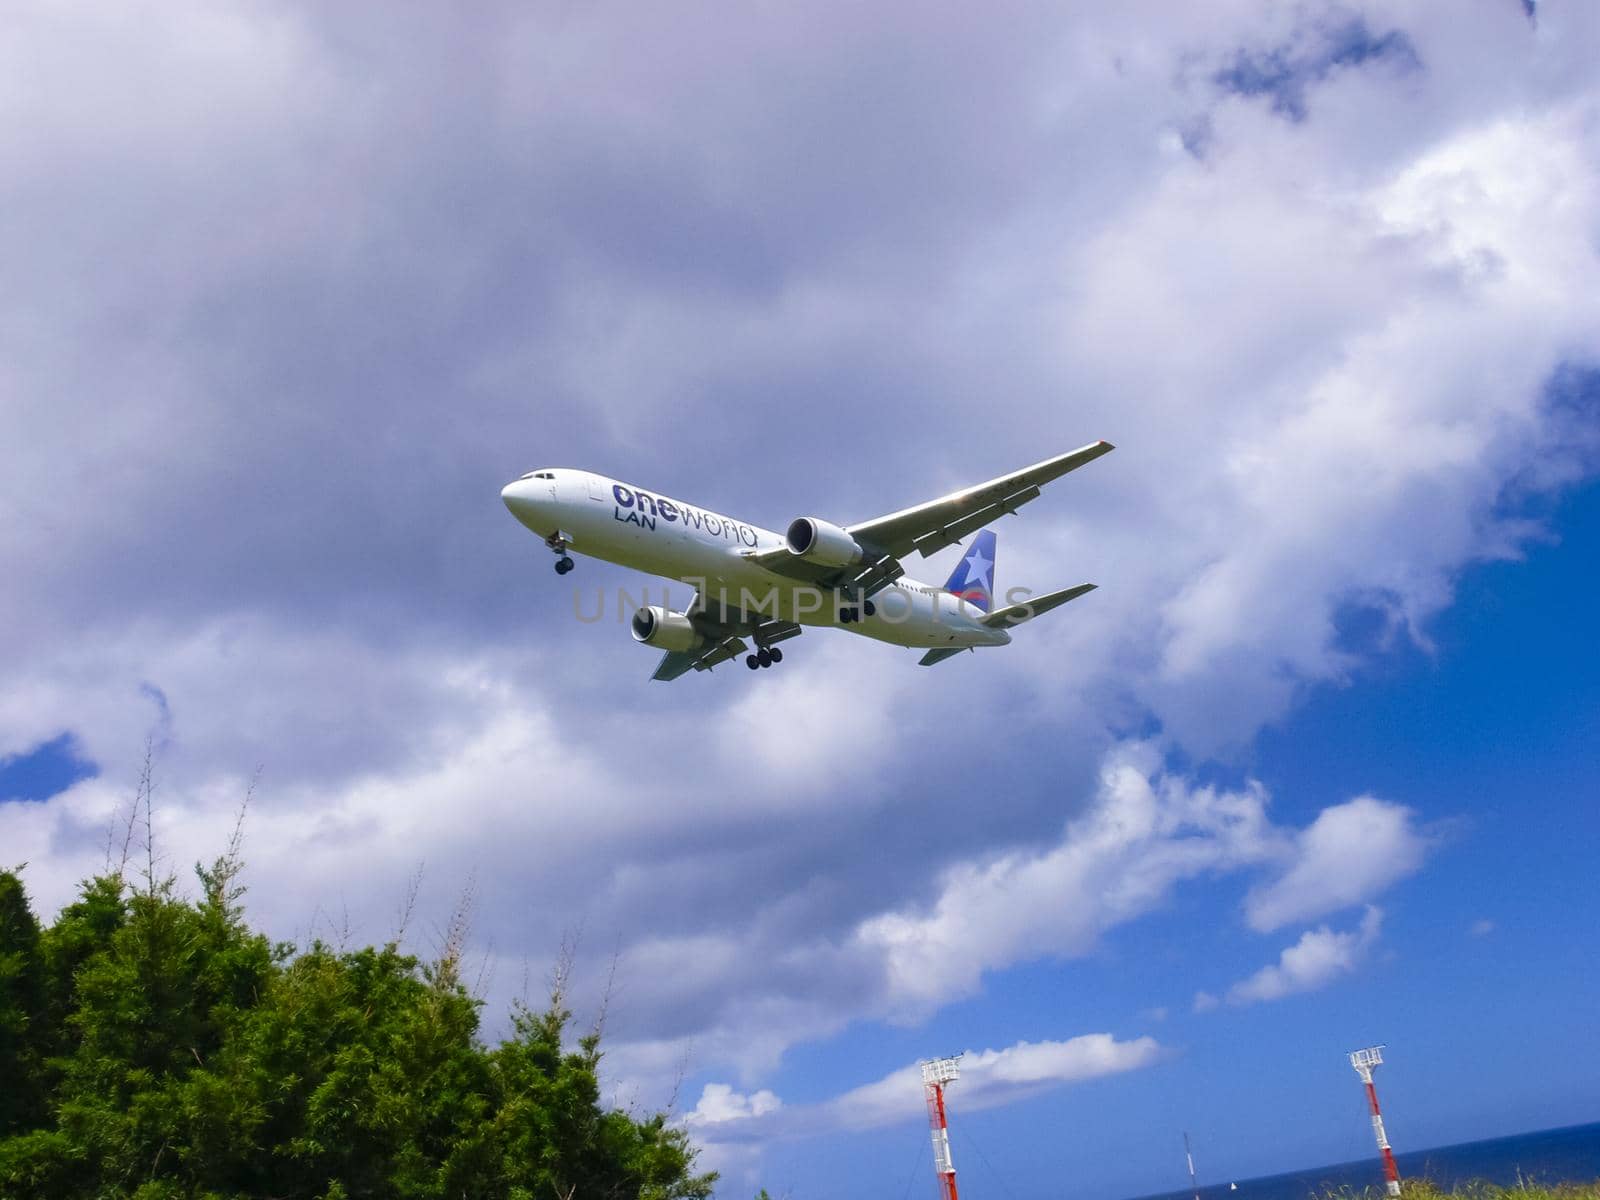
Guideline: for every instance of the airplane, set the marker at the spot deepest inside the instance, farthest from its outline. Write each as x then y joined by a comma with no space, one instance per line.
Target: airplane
753,582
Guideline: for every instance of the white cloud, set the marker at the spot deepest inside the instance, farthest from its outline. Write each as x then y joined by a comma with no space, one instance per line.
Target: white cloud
989,1079
731,1128
1348,855
1482,927
1144,833
1316,960
719,1103
1324,349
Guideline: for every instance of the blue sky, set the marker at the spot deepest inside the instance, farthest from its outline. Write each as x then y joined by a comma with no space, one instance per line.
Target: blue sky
1486,982
1309,769
43,771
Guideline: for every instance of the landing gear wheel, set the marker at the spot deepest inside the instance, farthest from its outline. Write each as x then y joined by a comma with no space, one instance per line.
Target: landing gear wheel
764,657
752,661
777,655
871,608
564,564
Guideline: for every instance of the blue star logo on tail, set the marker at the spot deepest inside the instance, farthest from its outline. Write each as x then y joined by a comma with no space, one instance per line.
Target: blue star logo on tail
973,579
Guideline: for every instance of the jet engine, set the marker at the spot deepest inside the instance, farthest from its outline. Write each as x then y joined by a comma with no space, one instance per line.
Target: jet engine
665,629
824,544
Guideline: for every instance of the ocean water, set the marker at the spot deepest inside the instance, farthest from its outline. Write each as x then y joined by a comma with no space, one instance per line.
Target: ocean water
1548,1156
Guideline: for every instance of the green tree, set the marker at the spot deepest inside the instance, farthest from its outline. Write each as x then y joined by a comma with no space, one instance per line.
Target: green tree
173,1052
23,1033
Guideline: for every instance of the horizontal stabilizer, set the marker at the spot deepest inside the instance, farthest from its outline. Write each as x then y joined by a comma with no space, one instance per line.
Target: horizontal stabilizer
1016,614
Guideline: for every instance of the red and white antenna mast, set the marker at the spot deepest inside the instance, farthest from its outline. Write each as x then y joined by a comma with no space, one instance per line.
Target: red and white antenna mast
1363,1061
936,1072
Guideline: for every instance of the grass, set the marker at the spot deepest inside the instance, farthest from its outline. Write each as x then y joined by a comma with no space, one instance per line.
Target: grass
1426,1189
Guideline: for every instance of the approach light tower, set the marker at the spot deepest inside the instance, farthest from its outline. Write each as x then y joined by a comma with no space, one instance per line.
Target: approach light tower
1363,1061
936,1072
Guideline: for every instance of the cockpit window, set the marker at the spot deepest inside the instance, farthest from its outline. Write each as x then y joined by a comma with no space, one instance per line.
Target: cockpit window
540,475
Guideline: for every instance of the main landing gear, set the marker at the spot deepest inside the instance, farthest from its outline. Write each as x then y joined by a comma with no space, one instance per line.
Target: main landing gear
850,615
564,564
763,657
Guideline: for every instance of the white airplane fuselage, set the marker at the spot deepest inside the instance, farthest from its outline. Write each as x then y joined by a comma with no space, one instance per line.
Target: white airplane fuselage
634,527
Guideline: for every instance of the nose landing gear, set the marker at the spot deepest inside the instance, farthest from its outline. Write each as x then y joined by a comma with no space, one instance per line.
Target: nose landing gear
558,545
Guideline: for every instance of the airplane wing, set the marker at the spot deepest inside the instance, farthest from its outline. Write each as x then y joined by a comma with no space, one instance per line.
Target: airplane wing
929,528
723,627
678,662
868,577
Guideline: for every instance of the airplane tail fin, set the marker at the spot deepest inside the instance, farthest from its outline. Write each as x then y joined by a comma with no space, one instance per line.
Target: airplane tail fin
973,578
